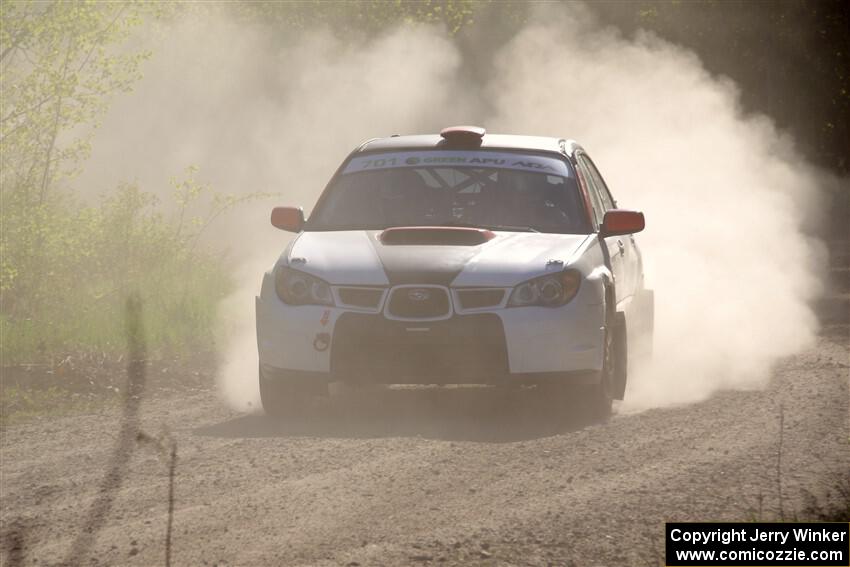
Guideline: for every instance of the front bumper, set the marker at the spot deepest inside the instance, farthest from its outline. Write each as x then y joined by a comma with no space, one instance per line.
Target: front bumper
463,349
507,344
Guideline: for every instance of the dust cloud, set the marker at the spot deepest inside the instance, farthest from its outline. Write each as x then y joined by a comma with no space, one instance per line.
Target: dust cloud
727,202
257,115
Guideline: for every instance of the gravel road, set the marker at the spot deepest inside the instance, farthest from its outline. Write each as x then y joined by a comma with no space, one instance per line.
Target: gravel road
420,477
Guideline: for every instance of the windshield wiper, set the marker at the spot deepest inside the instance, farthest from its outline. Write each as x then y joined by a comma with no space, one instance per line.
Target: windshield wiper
510,228
459,224
488,226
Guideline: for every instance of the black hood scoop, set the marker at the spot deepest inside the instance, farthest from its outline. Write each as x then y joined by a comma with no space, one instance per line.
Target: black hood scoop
435,236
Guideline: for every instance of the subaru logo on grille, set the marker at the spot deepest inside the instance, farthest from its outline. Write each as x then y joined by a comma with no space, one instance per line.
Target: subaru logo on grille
418,294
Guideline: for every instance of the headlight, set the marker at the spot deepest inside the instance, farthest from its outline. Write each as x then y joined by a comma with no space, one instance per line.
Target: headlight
552,290
297,288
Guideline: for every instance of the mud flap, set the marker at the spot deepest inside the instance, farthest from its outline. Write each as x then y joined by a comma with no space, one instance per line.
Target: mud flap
620,357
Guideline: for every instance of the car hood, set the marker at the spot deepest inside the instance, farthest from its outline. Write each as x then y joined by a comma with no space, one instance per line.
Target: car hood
358,257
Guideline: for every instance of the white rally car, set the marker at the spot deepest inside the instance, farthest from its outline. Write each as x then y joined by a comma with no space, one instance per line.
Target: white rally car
459,258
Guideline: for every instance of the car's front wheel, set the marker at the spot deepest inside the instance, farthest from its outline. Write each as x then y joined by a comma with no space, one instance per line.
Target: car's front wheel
599,398
283,395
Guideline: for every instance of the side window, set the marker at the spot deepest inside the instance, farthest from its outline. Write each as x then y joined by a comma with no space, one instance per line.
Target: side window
593,192
600,184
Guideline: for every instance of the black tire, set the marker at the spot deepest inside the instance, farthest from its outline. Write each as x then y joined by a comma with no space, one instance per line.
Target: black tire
599,398
594,402
283,397
620,357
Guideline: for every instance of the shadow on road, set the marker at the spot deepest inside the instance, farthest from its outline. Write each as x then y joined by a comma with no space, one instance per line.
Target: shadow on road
455,414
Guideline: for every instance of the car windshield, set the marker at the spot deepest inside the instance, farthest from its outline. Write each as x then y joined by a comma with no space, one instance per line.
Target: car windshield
488,189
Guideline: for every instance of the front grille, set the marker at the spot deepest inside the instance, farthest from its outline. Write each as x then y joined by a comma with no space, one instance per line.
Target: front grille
465,349
419,302
360,297
480,298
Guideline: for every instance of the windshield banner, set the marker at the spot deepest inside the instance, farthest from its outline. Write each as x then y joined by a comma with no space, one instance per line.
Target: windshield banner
478,159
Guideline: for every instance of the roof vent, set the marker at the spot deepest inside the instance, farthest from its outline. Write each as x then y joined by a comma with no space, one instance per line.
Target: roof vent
463,134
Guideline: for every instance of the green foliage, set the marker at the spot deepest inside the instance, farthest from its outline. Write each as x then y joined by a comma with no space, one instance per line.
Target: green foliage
362,16
60,64
68,268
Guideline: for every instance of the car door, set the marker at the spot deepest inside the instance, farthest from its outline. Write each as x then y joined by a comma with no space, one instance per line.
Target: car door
626,245
621,249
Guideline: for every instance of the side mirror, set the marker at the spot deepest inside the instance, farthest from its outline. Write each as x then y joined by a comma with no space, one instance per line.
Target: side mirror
288,218
617,222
